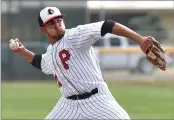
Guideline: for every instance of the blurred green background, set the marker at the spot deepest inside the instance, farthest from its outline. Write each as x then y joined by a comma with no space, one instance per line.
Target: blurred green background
144,99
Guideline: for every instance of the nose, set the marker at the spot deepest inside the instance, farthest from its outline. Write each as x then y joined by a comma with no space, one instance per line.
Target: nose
57,25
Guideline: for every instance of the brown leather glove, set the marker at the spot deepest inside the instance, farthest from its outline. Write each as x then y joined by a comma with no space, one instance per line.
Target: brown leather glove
154,52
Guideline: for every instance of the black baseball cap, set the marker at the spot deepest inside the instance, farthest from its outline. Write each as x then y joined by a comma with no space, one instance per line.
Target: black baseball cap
47,14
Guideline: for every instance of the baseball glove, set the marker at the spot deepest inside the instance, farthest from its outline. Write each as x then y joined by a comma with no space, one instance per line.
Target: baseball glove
154,52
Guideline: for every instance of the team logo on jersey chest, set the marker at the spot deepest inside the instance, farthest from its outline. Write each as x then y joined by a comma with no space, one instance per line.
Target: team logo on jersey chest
64,56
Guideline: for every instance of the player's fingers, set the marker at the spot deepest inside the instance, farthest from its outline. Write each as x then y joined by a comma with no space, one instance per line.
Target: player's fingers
21,47
11,40
17,40
17,51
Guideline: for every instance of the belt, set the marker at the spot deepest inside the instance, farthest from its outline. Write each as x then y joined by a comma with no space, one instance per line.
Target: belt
83,95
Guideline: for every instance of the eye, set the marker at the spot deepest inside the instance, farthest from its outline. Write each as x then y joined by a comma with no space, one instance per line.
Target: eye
51,23
59,20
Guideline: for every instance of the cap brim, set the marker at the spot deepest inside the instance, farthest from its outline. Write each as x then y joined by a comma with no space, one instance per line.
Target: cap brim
62,15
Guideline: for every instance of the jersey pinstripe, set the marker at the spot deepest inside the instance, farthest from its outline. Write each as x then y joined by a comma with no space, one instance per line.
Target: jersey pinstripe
46,61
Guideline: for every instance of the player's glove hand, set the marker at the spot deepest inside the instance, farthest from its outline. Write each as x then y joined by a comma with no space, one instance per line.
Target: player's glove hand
154,52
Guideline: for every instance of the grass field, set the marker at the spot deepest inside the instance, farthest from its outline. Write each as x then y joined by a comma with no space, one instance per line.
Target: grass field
141,99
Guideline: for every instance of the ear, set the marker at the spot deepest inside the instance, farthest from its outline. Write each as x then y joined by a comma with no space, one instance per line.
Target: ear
43,30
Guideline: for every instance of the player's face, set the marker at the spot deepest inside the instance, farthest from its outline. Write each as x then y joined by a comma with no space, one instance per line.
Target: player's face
55,28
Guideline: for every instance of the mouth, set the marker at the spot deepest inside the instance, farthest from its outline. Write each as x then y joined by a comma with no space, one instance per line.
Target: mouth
59,30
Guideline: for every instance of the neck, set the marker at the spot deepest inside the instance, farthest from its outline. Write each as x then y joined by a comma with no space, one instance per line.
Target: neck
53,40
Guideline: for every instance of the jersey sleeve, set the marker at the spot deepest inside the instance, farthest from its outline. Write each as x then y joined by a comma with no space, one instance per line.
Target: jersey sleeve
47,61
84,36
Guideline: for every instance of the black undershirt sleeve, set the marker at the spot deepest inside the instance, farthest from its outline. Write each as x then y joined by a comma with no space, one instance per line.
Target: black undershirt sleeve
36,62
107,27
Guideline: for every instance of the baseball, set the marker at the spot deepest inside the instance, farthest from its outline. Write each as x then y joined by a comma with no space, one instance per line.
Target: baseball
14,45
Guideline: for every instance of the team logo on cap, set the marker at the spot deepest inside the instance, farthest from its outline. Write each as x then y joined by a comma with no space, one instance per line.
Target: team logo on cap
50,11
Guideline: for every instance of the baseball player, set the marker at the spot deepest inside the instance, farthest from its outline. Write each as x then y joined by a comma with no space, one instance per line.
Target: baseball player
70,58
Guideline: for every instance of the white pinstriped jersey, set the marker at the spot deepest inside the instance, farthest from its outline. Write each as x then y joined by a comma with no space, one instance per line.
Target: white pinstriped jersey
73,60
74,64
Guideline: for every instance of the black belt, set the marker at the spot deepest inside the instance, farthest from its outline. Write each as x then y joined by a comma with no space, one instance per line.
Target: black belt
83,95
